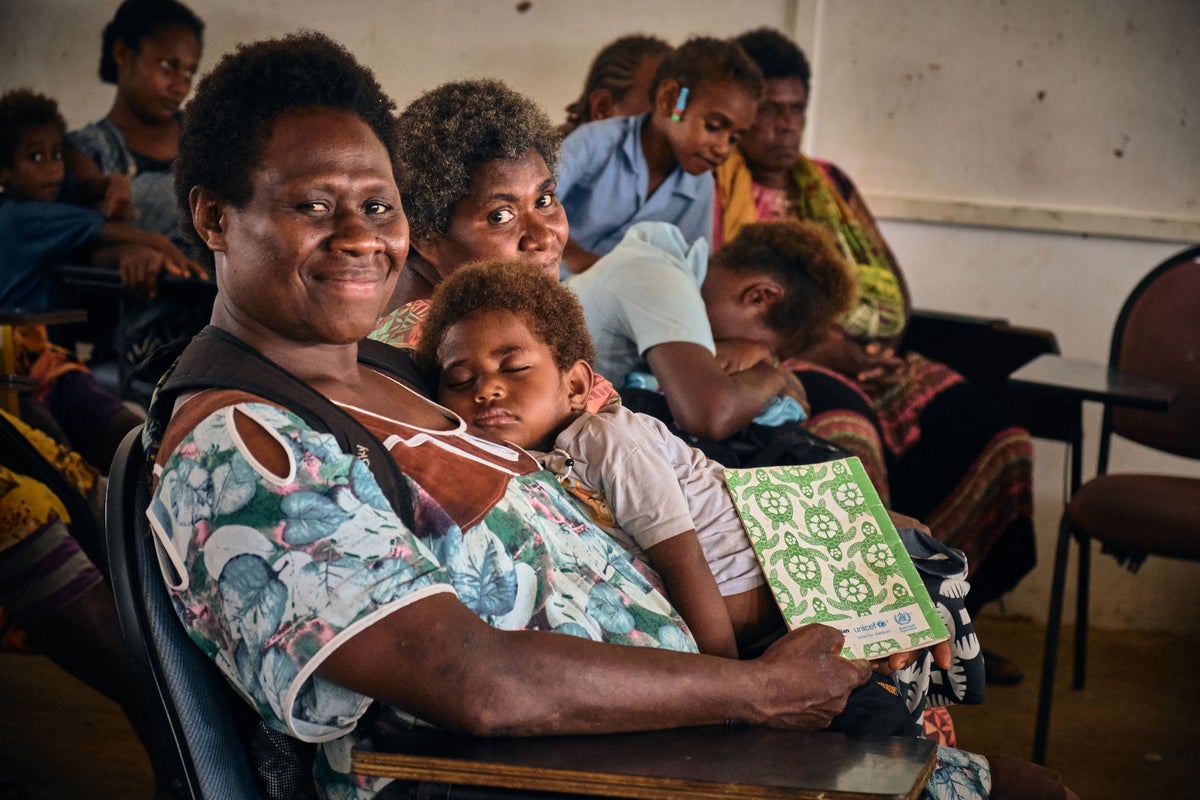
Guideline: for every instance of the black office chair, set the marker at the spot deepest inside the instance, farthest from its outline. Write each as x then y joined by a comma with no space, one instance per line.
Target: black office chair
210,743
1155,355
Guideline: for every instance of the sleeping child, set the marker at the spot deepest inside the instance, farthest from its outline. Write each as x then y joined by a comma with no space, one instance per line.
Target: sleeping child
514,356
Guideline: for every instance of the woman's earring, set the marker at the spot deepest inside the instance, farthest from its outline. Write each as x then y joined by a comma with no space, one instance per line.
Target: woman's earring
680,105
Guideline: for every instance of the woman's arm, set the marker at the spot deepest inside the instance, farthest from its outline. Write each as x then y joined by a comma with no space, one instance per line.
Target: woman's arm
692,589
431,656
704,400
436,659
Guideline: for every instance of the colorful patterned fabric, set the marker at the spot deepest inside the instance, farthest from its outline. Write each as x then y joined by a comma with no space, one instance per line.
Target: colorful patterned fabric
401,327
879,313
938,726
40,359
958,775
270,574
42,568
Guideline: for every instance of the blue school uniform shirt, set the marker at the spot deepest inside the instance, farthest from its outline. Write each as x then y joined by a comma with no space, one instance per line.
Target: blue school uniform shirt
36,236
602,178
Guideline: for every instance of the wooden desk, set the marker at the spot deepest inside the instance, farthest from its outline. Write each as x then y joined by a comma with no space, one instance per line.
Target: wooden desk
1075,381
701,763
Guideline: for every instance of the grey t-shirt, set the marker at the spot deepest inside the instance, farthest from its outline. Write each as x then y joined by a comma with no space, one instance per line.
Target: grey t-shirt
646,292
656,487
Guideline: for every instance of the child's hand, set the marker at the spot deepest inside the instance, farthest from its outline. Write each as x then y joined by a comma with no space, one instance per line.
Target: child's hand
117,201
140,267
905,521
179,264
739,355
894,662
898,661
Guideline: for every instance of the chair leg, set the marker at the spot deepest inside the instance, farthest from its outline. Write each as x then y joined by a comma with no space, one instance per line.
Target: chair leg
1050,656
1081,610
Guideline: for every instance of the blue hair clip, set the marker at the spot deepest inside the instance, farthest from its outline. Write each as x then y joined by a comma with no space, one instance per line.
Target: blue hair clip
680,105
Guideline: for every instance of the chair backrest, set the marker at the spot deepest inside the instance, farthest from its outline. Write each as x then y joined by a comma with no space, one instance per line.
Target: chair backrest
1157,335
191,709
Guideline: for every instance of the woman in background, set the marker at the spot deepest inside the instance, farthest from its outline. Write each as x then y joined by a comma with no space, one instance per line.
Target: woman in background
150,50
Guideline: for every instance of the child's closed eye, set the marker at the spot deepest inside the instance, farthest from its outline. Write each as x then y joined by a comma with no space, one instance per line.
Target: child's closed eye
457,381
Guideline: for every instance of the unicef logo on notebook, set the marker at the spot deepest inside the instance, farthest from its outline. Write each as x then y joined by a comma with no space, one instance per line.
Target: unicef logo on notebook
903,618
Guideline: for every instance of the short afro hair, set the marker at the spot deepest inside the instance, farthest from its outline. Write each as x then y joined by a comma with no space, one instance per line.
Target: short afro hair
229,120
818,284
20,110
613,69
448,133
703,59
550,310
136,20
776,55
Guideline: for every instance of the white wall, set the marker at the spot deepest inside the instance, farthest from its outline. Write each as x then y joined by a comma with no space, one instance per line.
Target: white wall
931,105
414,45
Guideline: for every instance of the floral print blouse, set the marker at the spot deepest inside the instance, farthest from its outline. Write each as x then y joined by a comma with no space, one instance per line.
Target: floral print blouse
271,574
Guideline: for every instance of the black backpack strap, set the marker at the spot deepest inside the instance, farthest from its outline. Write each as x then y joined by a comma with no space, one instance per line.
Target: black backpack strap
216,359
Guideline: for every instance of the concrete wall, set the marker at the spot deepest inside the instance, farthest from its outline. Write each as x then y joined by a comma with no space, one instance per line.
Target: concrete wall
997,201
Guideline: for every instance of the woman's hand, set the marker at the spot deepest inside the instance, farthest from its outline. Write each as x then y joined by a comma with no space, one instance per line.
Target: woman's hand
881,367
808,662
176,263
140,267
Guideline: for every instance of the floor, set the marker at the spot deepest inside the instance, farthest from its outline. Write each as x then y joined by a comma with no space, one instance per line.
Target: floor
1134,732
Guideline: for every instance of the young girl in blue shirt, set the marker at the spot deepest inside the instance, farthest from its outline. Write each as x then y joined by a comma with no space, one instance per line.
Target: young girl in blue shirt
618,171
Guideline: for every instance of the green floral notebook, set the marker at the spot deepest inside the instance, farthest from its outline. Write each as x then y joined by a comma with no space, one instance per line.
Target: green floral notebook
832,555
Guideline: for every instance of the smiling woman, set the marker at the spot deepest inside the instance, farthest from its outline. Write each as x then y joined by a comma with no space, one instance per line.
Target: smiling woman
339,233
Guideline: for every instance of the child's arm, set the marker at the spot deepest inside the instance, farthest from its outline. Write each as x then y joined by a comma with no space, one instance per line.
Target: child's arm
704,400
693,591
173,261
626,459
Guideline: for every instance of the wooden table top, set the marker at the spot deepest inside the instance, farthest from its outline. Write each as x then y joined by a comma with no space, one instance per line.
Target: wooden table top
717,762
